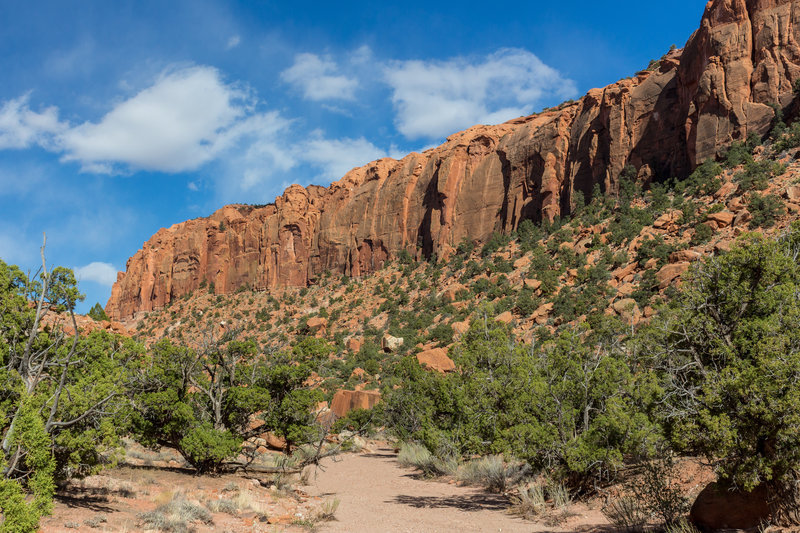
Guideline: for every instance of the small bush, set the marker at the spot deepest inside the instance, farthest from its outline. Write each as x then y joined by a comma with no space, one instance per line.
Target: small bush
414,455
705,179
541,499
658,492
756,175
789,140
702,234
223,506
627,514
175,516
765,210
682,526
530,501
327,511
493,473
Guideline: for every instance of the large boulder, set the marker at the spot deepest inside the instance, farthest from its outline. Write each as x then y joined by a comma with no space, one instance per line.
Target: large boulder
436,359
717,509
391,344
670,273
345,401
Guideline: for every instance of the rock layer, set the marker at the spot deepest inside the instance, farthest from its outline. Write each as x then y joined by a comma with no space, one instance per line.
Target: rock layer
487,179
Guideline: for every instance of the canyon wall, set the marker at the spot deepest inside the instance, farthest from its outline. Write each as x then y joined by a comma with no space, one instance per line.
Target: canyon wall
718,89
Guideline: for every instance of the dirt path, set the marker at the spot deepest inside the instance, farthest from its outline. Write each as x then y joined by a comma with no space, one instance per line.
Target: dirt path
377,495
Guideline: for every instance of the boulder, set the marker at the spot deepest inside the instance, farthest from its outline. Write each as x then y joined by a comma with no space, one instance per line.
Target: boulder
533,284
718,509
623,272
459,328
722,219
541,314
627,308
391,344
793,193
670,273
742,218
436,359
726,190
684,256
522,262
345,401
505,318
317,324
354,344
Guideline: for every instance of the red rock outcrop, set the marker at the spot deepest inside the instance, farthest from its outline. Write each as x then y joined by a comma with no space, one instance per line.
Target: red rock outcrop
345,401
489,178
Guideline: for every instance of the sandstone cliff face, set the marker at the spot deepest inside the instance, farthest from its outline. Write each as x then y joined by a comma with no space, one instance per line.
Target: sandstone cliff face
489,178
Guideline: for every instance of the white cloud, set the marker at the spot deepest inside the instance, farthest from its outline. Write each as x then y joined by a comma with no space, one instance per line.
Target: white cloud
187,118
102,273
436,98
176,125
192,186
20,127
335,157
317,77
233,42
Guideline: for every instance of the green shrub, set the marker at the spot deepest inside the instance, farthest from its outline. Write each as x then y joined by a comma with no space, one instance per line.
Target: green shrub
727,349
207,448
97,313
789,140
627,514
701,235
495,242
705,179
765,210
756,175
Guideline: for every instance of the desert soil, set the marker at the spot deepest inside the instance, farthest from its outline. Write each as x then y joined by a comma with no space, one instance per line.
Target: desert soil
377,495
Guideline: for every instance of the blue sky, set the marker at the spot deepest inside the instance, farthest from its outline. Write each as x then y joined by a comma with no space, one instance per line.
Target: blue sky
119,118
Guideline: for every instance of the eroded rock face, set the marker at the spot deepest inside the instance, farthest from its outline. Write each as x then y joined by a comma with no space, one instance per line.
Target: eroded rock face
489,178
345,401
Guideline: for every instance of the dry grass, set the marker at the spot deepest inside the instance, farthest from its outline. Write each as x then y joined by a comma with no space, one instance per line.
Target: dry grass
493,473
417,456
176,516
627,514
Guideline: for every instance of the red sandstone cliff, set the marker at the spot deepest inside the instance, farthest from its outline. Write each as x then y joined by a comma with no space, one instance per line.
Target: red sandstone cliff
489,178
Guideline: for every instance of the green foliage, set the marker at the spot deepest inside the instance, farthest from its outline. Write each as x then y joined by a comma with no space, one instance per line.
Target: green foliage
206,448
527,302
201,403
789,140
727,349
33,445
59,395
701,235
654,248
765,210
756,174
495,242
522,400
705,179
97,313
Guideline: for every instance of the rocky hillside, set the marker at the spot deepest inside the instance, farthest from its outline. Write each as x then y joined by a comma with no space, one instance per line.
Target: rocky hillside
725,84
616,257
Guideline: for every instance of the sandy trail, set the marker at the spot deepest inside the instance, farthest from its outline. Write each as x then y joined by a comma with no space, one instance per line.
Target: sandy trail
377,495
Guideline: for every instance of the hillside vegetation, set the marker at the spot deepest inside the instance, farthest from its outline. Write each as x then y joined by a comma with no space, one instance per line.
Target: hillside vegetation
649,326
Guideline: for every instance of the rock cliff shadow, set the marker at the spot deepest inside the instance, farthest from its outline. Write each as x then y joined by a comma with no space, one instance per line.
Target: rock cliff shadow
472,503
